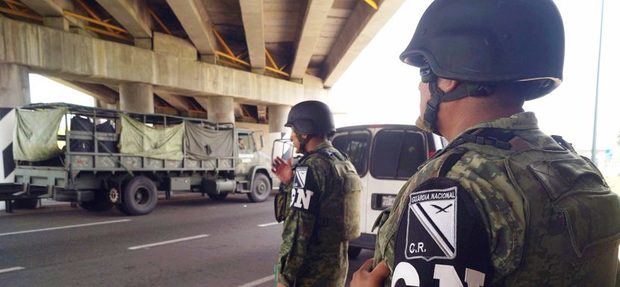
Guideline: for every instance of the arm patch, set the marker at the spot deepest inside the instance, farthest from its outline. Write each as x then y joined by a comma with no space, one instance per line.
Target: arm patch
441,239
304,196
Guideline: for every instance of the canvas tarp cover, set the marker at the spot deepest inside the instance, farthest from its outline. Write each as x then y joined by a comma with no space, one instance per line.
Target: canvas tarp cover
141,140
35,137
203,144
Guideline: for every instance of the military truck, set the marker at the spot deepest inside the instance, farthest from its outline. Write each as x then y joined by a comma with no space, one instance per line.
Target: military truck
102,158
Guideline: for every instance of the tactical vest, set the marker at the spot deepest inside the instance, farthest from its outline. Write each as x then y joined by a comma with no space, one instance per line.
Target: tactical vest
572,220
345,198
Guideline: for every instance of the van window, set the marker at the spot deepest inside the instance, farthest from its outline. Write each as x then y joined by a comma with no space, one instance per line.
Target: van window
355,146
397,154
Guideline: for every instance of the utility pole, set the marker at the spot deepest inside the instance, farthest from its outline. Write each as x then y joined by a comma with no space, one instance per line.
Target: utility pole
598,72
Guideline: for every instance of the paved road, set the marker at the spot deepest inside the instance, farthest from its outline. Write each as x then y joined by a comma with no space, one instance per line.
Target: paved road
190,241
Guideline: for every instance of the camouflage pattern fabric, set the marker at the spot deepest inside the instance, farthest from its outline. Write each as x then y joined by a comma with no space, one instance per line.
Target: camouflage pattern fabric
550,216
311,253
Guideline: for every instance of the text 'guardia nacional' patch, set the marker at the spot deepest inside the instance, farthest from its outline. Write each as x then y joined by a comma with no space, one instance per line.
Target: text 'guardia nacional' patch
431,224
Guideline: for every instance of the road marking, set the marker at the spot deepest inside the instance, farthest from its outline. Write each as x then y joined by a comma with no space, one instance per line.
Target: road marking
64,227
258,282
168,242
7,270
268,224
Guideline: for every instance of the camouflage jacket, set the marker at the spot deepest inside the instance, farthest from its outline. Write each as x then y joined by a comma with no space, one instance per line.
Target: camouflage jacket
310,255
502,205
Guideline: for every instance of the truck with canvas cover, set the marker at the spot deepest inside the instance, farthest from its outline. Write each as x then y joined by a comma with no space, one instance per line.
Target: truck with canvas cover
104,158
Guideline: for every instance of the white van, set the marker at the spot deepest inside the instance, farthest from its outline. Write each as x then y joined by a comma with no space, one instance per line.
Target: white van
385,156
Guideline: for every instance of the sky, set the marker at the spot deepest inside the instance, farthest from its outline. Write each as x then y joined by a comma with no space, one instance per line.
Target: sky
378,88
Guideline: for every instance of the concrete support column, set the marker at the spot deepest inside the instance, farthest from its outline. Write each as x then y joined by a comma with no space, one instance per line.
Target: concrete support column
221,109
277,115
136,98
14,86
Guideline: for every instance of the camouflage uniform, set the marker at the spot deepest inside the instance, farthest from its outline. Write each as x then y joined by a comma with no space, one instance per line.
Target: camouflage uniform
530,212
313,251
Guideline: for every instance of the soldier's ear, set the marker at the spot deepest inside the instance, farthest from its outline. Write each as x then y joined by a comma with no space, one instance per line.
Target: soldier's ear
447,85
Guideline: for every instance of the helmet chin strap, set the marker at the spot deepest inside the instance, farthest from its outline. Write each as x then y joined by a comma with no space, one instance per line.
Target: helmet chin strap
438,96
302,142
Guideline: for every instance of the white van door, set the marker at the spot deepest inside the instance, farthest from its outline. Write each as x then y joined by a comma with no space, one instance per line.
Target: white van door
395,157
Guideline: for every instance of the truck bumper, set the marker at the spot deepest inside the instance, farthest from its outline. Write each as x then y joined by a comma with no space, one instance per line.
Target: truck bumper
13,191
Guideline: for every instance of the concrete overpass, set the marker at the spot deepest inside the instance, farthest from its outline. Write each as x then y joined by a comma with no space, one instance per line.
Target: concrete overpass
195,57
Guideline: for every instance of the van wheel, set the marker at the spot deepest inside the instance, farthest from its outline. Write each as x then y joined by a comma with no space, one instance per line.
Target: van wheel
354,252
261,188
26,203
219,196
139,196
100,203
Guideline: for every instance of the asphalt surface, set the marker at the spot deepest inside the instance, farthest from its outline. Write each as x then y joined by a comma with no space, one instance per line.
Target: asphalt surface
187,241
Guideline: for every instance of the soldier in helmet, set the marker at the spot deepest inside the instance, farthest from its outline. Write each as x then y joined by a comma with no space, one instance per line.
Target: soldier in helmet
503,204
323,194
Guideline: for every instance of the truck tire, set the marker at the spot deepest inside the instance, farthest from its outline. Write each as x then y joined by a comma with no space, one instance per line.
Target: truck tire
99,204
354,252
26,203
139,196
220,196
261,188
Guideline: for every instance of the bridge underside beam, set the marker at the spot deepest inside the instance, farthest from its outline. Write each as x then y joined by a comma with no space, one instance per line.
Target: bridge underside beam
66,55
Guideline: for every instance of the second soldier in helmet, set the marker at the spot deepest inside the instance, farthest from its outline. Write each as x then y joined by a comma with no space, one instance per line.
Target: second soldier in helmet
322,198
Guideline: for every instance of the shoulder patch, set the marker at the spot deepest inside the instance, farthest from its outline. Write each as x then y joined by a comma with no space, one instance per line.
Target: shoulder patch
302,193
432,224
441,238
301,172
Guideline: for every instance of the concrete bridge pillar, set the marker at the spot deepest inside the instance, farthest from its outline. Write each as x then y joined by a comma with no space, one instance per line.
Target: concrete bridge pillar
14,86
277,118
221,109
136,98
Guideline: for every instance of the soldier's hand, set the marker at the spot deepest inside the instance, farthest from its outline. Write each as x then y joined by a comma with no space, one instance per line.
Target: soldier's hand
283,169
366,276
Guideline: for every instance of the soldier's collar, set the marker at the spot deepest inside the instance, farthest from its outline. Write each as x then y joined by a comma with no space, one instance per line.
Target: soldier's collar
323,145
319,147
520,121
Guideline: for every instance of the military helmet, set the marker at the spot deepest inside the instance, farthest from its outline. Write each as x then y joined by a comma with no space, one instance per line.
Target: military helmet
311,117
490,41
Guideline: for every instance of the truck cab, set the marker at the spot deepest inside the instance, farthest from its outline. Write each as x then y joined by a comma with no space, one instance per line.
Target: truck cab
385,157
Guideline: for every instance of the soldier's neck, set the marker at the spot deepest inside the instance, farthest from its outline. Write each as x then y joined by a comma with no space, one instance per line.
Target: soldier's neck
455,117
313,143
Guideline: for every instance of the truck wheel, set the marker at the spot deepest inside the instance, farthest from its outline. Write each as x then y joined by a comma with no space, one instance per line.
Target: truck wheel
139,196
100,203
261,188
26,203
354,252
220,196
